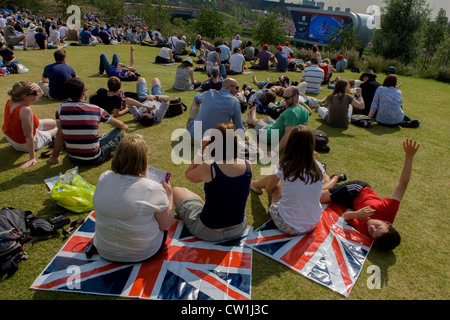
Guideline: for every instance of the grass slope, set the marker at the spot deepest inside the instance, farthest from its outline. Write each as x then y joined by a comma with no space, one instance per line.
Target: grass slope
415,270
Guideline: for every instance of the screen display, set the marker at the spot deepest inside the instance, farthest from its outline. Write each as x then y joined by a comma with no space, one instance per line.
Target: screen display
316,27
322,26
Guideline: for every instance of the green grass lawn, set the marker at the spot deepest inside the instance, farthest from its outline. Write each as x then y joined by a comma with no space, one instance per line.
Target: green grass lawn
415,270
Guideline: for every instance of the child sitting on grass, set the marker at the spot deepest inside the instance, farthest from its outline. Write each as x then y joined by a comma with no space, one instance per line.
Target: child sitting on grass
372,215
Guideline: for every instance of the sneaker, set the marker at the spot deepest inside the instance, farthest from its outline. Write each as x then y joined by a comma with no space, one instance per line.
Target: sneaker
341,177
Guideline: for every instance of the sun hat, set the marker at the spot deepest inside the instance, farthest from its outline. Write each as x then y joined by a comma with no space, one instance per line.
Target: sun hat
188,60
279,48
340,57
368,73
31,27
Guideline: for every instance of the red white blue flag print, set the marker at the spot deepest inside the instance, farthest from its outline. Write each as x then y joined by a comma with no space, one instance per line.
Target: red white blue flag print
332,255
187,269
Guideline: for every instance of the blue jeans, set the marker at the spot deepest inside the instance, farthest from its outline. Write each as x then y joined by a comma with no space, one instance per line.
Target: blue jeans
108,143
142,92
105,65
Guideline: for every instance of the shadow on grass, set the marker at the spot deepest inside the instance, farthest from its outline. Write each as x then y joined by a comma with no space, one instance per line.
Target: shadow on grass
384,260
259,212
379,130
8,156
332,131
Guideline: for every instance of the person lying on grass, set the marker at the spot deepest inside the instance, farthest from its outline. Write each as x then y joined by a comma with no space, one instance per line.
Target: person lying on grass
372,215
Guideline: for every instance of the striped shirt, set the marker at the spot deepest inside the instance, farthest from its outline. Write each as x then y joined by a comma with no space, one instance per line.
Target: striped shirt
79,123
313,76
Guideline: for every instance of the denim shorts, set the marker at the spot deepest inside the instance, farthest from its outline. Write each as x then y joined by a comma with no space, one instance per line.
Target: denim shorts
142,90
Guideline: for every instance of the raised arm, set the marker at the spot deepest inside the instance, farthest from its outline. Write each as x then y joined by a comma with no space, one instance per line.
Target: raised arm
410,147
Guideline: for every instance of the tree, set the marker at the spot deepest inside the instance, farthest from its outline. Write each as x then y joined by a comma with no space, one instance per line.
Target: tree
343,38
158,14
210,23
113,10
401,21
269,30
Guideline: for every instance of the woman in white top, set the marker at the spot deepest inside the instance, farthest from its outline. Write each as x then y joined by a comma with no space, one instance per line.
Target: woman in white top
31,41
165,55
132,211
296,185
184,78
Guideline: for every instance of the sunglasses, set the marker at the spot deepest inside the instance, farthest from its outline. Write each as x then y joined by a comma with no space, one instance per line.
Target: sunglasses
33,93
236,87
289,97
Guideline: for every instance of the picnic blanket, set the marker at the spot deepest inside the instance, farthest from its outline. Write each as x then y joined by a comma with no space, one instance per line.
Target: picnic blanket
332,255
186,269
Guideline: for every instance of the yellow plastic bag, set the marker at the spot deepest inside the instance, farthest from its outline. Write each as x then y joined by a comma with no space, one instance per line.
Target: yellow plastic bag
75,196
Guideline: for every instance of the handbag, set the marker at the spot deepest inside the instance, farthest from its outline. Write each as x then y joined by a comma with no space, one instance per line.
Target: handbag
176,107
362,121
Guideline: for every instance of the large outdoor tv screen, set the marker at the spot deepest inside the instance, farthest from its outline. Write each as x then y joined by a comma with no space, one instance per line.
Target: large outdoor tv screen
322,26
316,27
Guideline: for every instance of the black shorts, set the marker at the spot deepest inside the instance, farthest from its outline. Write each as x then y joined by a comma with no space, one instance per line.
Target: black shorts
344,194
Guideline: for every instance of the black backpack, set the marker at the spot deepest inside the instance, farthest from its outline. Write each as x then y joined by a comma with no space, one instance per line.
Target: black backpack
18,227
321,141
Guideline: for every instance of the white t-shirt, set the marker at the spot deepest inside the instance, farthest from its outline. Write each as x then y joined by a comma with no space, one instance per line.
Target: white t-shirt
54,36
30,38
164,53
235,43
2,23
126,229
236,61
300,205
63,31
287,50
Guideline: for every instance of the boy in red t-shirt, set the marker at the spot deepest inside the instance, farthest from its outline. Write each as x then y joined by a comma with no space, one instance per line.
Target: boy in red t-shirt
372,215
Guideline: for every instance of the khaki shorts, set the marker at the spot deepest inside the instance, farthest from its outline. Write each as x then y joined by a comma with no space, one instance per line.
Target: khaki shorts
189,211
14,41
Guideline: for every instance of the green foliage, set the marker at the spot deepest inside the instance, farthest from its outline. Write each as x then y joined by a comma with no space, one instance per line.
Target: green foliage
401,20
156,13
113,10
33,5
269,30
210,23
343,38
